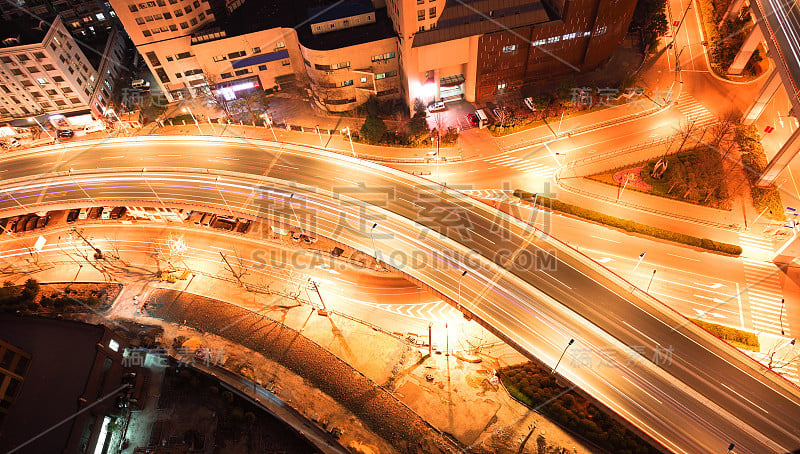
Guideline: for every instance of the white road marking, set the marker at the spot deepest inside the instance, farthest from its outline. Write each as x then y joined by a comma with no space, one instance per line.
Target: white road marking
606,239
680,256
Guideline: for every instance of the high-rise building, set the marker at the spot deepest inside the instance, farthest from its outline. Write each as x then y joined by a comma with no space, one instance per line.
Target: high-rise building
81,17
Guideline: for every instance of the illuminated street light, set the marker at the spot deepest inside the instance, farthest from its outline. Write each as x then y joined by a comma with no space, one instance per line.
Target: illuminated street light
106,111
187,109
268,121
463,273
571,341
641,257
730,448
55,140
374,249
320,136
347,130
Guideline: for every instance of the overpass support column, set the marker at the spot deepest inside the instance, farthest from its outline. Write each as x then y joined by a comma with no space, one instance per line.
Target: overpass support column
733,10
785,155
768,90
748,47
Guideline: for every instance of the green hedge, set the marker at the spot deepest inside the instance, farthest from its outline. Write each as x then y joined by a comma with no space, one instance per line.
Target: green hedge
736,337
534,385
631,226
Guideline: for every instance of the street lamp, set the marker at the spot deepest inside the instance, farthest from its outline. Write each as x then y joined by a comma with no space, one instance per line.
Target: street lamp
98,254
651,280
374,249
571,341
320,136
346,129
188,109
463,273
641,257
46,131
268,121
730,448
780,316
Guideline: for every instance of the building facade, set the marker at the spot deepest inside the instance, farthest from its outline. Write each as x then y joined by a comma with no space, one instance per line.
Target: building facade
81,17
42,70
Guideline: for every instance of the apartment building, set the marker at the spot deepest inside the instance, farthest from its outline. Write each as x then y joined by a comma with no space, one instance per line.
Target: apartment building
82,17
42,70
477,50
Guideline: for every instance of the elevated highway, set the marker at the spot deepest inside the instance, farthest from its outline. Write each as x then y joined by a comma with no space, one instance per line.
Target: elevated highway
686,389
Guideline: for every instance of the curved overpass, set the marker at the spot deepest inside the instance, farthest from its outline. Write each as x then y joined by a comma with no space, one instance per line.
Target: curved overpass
524,285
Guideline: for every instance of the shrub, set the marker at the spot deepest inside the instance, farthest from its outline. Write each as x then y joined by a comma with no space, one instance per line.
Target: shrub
373,129
736,337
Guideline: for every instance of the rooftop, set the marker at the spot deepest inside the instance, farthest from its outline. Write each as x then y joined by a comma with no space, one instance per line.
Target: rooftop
26,32
257,15
381,29
476,17
339,11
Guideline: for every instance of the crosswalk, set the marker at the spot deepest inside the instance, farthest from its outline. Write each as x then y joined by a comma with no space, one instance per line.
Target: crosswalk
763,292
522,165
757,247
693,110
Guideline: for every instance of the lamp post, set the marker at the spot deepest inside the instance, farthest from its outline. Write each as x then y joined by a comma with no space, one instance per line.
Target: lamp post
291,205
571,341
98,254
651,280
730,448
320,136
641,257
347,130
374,249
268,121
188,109
780,316
463,273
43,129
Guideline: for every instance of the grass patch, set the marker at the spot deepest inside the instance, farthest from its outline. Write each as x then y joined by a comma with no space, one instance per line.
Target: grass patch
754,161
534,385
696,176
631,226
743,340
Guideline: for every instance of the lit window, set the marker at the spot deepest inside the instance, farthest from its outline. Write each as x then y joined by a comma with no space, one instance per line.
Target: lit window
113,345
509,49
501,86
41,81
363,80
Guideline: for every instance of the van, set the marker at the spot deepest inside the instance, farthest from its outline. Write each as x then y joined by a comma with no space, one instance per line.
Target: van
83,214
436,106
106,213
483,120
94,127
140,84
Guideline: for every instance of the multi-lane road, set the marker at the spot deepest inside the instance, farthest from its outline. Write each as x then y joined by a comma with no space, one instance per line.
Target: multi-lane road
689,391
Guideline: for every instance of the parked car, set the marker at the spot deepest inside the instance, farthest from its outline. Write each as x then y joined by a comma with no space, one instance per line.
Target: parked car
12,224
42,222
118,212
94,212
83,214
32,222
529,104
21,222
3,223
73,215
436,106
243,226
65,133
473,119
223,224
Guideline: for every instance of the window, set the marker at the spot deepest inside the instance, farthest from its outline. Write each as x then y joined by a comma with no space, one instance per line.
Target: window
37,94
5,59
363,80
219,58
167,15
346,83
237,54
201,16
184,25
113,345
158,17
133,8
386,56
501,86
74,100
149,18
420,14
226,75
32,69
79,81
509,49
183,55
58,79
262,67
385,75
26,83
192,72
23,57
140,21
241,72
100,16
66,90
178,75
422,28
188,9
193,21
41,81
333,25
285,63
432,13
162,75
146,33
16,71
39,55
178,13
153,58
280,45
420,2
61,102
196,4
173,27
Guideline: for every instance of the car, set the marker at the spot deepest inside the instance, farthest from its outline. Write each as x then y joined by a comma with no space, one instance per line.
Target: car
3,223
118,212
106,213
437,106
243,226
208,218
21,222
12,223
223,224
94,212
32,221
42,222
529,104
473,119
65,133
73,214
83,213
140,84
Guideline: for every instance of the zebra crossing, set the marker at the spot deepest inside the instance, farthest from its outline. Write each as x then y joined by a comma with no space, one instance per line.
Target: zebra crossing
522,165
757,247
764,293
693,110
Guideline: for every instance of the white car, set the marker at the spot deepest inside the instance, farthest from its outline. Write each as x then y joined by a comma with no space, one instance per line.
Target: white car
529,103
436,106
140,84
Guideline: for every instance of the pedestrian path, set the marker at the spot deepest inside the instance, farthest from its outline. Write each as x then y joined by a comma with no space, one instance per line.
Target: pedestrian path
757,247
764,293
693,110
521,165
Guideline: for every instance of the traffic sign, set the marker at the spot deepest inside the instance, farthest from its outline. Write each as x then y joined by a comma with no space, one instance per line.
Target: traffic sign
676,23
769,129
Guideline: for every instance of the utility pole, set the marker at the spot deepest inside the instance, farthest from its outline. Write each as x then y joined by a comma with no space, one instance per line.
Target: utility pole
235,274
324,310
